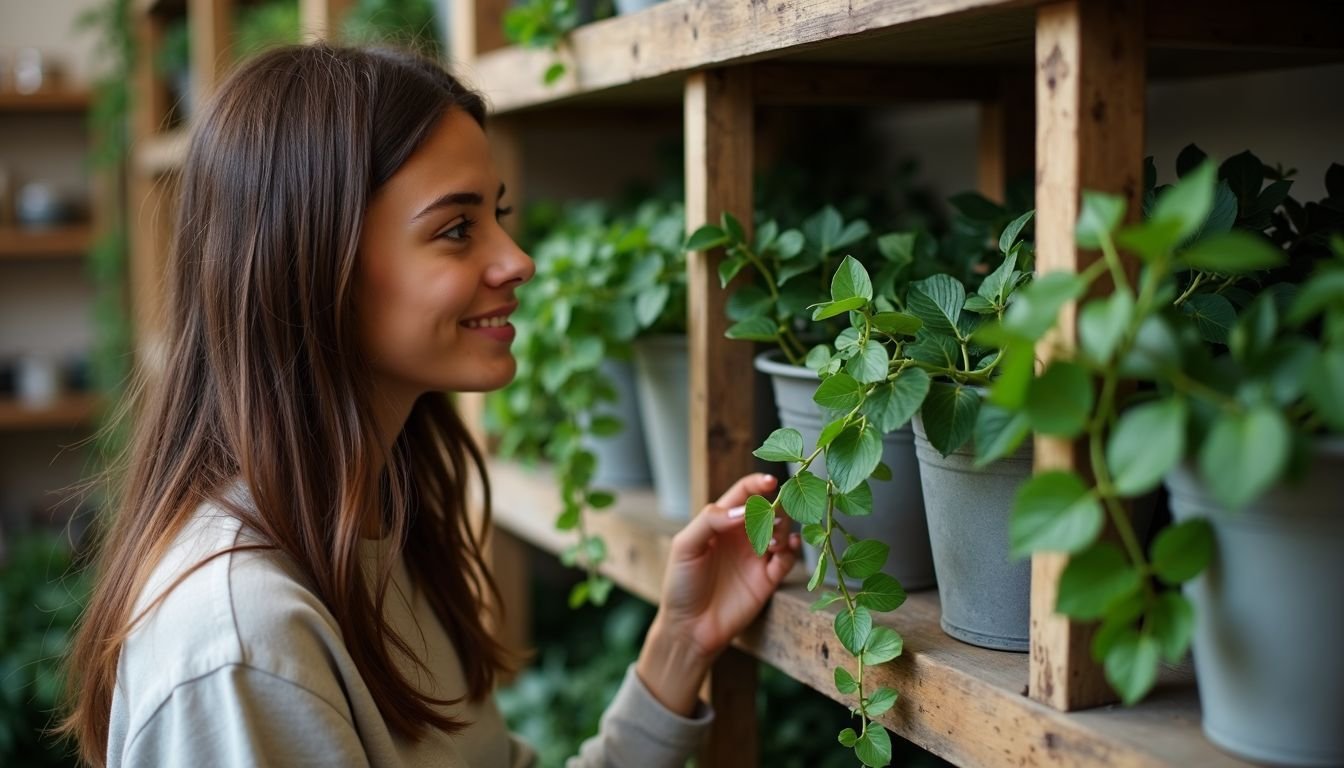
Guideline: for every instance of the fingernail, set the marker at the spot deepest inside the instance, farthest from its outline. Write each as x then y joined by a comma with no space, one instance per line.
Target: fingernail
773,542
737,511
769,477
778,519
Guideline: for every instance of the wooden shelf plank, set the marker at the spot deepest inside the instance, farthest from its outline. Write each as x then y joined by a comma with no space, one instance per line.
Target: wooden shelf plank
964,703
71,411
640,57
45,102
55,242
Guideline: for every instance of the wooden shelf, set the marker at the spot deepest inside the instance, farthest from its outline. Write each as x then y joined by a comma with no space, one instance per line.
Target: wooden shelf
162,153
965,704
640,58
70,412
44,102
56,242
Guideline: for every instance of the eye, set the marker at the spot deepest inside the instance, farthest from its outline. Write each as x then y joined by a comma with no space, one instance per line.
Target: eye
458,232
502,212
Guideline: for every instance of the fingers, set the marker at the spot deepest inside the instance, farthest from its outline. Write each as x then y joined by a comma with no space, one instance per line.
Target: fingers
758,483
783,560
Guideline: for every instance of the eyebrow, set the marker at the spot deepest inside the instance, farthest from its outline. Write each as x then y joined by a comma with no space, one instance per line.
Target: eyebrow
454,199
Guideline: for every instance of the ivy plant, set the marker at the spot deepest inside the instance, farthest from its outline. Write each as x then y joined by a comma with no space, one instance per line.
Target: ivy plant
1231,341
543,24
901,347
600,280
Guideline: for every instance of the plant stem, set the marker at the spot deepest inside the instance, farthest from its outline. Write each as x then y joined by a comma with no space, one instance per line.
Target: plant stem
1113,263
1195,283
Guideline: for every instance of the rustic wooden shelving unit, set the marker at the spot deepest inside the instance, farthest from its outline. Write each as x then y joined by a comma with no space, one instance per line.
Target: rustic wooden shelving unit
45,101
67,241
1091,60
69,412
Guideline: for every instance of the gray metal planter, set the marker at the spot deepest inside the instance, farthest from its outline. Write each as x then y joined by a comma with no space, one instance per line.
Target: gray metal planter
622,461
663,378
1269,616
986,596
898,506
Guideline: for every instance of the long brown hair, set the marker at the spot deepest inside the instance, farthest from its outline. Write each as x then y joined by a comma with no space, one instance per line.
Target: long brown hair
262,380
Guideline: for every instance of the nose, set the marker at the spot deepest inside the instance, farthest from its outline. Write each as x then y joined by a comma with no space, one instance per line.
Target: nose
510,265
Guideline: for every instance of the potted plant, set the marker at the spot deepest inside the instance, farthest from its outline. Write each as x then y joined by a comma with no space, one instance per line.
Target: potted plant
543,24
1232,342
590,297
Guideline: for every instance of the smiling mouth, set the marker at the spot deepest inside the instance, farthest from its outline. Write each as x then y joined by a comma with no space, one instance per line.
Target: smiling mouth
487,322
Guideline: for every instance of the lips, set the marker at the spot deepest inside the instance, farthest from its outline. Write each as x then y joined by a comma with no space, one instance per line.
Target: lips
494,324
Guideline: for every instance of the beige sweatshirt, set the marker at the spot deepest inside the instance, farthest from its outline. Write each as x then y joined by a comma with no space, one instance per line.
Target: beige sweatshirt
242,665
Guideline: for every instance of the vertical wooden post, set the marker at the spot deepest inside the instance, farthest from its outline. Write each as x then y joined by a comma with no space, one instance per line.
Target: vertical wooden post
1089,135
1007,136
211,30
477,27
719,115
146,196
321,19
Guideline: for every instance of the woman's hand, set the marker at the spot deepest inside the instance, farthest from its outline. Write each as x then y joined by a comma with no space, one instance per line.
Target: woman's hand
714,587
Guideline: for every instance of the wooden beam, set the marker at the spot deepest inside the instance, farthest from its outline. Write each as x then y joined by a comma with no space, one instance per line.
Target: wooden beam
321,19
1007,140
210,25
477,27
148,201
1291,26
719,135
1090,126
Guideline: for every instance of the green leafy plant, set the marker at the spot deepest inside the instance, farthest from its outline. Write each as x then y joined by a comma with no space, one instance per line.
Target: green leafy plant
1227,352
39,604
543,24
903,347
601,279
405,23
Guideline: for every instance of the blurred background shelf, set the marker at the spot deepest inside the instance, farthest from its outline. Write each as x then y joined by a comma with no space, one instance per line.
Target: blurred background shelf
54,242
70,412
45,101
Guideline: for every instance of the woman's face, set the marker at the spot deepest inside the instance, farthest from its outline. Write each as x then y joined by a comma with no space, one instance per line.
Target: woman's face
436,272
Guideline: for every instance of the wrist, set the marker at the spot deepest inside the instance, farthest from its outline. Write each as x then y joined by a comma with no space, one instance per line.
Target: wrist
673,668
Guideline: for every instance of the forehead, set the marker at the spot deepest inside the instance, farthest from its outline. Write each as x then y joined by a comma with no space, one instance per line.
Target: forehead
454,153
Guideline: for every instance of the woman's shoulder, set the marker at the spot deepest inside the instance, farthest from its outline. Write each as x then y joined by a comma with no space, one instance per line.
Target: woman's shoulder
219,598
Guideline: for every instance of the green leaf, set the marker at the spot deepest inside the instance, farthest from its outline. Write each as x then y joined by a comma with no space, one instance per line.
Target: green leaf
1233,253
732,227
998,433
729,267
754,329
890,406
782,445
882,700
1102,324
1172,623
1213,315
1325,387
883,646
853,456
1188,201
826,599
578,595
897,323
1323,290
1245,174
856,503
898,247
881,472
706,237
830,432
1036,306
979,305
1224,213
649,304
851,281
804,497
832,308
819,572
789,244
852,628
976,206
1145,444
1120,618
838,393
864,558
845,682
601,499
999,283
937,301
1059,402
1155,352
1094,580
1100,215
1009,235
814,534
1131,665
874,747
747,302
880,592
1181,552
1153,241
760,519
552,75
1189,158
1244,455
1054,512
848,737
949,413
1254,332
870,365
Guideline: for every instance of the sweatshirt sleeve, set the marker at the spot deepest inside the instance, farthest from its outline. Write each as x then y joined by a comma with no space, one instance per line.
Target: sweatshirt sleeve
638,732
240,716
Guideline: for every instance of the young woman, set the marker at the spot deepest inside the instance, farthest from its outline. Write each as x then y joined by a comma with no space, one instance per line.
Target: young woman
290,577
